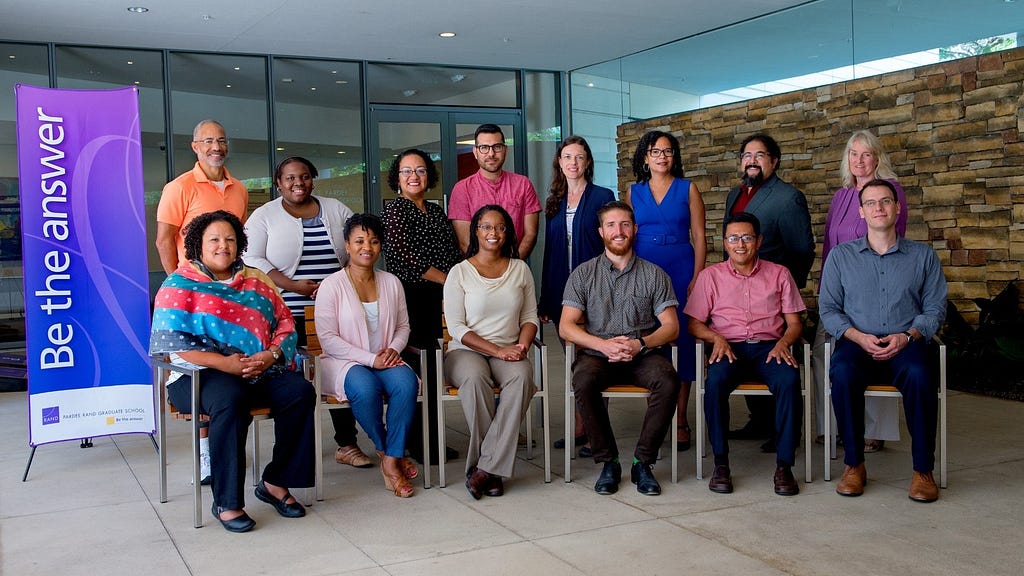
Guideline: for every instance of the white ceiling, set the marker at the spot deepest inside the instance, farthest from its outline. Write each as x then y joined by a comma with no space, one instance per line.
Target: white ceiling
557,35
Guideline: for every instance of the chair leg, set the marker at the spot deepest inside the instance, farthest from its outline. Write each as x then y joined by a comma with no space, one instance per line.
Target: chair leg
808,406
570,416
827,407
943,396
441,456
255,451
318,443
425,418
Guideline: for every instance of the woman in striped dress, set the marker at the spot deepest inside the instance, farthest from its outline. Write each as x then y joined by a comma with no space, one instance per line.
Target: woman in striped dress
297,240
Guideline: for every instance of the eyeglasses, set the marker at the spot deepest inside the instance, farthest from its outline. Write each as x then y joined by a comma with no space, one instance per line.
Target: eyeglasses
659,152
736,238
488,228
409,172
486,148
210,141
748,156
885,202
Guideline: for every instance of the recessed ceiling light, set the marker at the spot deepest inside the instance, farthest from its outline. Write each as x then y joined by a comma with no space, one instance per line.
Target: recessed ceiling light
138,9
130,62
227,85
447,34
12,56
313,88
286,80
334,71
341,151
136,82
590,84
237,68
280,149
341,81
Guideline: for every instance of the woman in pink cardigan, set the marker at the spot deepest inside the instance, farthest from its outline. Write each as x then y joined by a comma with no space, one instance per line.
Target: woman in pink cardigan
362,322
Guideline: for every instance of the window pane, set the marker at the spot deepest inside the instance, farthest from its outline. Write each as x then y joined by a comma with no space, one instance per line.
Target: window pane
405,84
24,64
233,91
318,115
104,69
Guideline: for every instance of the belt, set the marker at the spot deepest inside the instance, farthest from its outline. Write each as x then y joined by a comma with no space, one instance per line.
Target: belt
750,341
660,238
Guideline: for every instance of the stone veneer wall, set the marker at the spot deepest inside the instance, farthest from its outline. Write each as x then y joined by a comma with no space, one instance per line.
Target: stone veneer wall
953,133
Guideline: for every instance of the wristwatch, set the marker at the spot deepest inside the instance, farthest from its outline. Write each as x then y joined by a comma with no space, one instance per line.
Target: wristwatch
276,353
643,345
910,337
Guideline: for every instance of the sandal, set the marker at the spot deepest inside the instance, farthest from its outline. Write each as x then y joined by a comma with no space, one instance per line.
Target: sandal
352,456
409,469
395,482
683,445
871,445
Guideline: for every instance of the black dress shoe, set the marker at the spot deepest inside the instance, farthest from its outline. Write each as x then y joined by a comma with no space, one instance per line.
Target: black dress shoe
785,483
643,476
477,483
496,487
608,481
579,441
721,480
293,510
585,452
239,524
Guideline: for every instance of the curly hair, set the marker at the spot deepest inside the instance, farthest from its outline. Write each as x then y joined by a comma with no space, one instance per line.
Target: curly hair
368,222
509,248
641,171
559,185
199,224
393,171
871,142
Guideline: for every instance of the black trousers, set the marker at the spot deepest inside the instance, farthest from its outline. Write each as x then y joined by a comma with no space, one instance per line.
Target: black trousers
423,300
227,399
592,375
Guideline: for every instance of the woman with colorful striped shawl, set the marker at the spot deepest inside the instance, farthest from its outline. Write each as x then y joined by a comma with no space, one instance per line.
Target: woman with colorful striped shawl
219,315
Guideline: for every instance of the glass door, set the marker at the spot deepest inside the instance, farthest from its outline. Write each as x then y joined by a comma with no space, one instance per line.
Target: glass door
446,135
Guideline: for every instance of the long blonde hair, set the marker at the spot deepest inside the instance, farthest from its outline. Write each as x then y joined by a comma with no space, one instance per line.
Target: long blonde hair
884,169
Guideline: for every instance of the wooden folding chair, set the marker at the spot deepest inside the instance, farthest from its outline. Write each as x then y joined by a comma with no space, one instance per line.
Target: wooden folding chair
615,391
885,390
756,389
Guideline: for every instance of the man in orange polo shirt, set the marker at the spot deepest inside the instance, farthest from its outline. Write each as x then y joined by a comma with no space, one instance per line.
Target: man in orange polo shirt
205,188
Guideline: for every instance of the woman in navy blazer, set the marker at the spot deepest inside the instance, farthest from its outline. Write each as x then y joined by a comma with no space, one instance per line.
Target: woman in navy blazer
571,234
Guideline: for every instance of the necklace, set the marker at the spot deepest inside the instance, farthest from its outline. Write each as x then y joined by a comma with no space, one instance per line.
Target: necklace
366,294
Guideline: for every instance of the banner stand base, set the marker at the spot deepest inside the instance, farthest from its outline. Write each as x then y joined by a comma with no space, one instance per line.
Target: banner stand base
86,443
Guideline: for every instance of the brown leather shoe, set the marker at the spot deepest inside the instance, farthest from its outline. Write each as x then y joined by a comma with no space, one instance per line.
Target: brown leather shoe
352,456
721,480
923,488
477,483
853,481
495,486
785,483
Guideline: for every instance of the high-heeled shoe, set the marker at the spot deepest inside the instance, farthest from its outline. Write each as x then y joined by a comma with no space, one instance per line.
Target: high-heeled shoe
395,481
409,469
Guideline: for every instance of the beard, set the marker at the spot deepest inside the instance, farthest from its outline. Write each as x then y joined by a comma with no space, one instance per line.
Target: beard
617,251
755,180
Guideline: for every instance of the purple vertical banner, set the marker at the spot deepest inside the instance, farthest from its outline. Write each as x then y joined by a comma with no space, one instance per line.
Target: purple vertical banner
84,254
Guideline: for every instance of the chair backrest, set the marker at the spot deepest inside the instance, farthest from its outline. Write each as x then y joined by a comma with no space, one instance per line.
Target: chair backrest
312,340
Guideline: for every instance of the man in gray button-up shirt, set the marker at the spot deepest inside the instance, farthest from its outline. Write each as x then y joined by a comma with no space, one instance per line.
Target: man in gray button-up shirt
617,308
882,298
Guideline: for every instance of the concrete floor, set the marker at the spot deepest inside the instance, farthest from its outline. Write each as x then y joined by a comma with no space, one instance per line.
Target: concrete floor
96,511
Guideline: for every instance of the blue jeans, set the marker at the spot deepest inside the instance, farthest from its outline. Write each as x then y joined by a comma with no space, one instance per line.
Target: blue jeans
911,372
367,388
783,382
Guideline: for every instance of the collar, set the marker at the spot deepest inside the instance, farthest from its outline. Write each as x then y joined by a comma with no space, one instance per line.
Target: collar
753,271
607,263
200,176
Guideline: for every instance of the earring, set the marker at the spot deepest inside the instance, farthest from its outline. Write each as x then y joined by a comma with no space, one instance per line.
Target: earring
647,168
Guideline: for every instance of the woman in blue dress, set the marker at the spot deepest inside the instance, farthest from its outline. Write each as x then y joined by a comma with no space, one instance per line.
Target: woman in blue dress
670,233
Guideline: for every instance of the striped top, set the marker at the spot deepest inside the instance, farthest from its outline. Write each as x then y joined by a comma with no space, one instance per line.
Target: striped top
318,261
